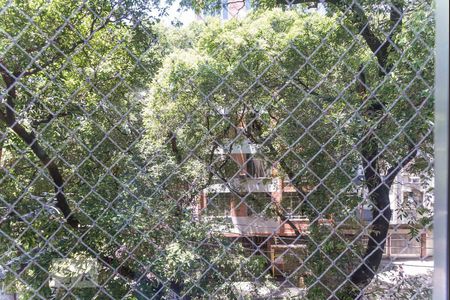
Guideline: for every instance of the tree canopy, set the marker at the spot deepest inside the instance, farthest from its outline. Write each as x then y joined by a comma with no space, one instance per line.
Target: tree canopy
317,98
109,125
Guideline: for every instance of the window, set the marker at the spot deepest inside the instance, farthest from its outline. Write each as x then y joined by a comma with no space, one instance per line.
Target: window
257,167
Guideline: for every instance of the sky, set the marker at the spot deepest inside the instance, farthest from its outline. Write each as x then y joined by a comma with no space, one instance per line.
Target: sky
186,17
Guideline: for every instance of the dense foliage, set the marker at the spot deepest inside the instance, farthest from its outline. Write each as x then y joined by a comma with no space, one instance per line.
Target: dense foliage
109,124
312,94
71,76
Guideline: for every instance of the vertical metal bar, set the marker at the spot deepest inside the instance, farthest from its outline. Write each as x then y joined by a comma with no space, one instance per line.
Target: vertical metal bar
423,245
389,246
247,5
440,280
225,9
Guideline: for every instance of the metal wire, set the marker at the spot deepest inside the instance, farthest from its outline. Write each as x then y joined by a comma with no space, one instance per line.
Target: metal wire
266,150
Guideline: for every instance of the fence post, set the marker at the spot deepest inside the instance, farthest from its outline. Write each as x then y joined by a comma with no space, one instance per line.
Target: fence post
440,235
423,245
388,246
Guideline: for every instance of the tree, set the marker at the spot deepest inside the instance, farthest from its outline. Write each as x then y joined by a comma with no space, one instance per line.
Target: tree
69,122
323,94
76,182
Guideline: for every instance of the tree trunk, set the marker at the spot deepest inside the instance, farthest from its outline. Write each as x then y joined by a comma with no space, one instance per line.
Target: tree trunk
378,188
377,239
178,289
30,139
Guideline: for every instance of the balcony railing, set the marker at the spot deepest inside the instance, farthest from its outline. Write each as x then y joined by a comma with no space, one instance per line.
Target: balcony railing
238,147
245,185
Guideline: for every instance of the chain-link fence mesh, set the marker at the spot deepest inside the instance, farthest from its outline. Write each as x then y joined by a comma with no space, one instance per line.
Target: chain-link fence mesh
225,150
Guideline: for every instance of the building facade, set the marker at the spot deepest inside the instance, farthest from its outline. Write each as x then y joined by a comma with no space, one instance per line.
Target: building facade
251,203
256,206
411,199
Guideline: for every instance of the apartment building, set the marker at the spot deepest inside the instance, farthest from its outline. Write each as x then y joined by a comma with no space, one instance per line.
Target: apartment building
256,206
411,198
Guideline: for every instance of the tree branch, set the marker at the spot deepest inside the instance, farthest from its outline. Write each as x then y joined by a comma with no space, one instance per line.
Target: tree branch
62,53
379,48
122,270
283,218
172,138
292,2
49,118
397,167
30,139
308,89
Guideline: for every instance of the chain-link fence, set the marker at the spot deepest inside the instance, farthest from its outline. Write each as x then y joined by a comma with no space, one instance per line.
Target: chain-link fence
225,150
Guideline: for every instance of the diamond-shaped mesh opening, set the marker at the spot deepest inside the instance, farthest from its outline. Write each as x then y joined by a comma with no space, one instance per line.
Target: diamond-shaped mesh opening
218,149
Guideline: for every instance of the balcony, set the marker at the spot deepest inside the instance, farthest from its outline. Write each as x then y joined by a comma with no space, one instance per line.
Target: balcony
248,226
238,147
300,223
245,185
255,226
